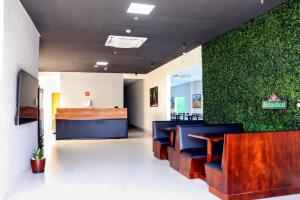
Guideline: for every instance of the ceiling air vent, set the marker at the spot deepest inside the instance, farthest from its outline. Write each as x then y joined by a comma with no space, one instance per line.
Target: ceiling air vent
125,42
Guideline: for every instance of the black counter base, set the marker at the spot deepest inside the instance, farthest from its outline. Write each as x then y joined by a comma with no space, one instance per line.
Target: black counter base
91,129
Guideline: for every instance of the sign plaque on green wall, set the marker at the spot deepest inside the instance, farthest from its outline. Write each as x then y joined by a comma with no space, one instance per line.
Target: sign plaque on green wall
274,103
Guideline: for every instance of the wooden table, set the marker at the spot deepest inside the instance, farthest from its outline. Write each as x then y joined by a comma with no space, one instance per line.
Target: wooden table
172,131
210,138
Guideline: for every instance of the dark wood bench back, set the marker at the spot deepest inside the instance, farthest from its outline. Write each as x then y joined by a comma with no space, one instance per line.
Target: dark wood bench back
261,161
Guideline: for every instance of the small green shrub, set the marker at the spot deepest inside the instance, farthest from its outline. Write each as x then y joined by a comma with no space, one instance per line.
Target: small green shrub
38,154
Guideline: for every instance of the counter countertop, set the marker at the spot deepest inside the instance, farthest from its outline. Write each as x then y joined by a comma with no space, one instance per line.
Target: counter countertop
91,113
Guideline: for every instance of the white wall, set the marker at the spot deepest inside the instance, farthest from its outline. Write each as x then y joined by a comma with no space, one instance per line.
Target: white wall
161,78
20,49
106,89
2,172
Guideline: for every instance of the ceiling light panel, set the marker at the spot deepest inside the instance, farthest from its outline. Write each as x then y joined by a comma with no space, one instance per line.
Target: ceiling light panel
101,63
138,8
125,42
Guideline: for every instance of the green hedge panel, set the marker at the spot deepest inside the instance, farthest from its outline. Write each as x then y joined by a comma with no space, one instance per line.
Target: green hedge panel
242,67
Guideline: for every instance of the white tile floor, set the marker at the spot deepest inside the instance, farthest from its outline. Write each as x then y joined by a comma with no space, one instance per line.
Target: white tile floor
111,170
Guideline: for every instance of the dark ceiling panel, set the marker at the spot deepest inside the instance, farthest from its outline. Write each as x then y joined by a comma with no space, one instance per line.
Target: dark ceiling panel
73,32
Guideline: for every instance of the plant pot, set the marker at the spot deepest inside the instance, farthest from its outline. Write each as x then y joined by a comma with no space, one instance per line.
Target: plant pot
38,166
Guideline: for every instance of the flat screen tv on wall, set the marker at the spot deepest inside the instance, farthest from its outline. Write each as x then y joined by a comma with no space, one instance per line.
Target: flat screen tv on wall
27,98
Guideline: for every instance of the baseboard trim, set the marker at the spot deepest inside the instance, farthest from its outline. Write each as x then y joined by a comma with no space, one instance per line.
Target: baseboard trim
140,129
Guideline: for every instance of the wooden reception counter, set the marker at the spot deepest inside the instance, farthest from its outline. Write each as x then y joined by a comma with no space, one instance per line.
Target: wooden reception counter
91,113
88,123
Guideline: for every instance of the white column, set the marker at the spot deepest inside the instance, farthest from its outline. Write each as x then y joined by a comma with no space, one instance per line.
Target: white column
1,102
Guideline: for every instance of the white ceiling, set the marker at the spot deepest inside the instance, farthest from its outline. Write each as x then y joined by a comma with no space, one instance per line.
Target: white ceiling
186,76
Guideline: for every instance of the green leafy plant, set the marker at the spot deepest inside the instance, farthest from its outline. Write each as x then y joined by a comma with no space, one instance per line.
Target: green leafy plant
38,154
244,66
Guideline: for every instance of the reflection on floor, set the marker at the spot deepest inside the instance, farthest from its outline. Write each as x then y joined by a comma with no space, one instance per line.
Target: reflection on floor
110,170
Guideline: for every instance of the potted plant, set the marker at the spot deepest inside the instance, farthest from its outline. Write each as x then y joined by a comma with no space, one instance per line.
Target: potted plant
38,161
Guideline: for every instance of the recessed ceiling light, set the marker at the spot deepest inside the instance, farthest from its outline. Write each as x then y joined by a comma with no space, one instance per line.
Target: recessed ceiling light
128,31
115,52
138,8
105,68
136,18
96,66
101,63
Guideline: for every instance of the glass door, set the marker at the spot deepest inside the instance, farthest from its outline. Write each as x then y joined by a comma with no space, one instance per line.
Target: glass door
180,104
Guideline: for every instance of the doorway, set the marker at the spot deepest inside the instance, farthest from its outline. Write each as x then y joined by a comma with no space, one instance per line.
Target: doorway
55,105
186,94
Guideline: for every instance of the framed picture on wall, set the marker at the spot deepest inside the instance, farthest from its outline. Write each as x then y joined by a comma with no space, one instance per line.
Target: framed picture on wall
196,100
172,102
154,97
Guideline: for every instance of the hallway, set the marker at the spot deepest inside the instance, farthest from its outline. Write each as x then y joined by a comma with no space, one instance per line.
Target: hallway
110,170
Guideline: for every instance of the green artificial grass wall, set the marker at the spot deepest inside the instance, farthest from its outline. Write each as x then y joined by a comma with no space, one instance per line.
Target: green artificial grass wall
244,66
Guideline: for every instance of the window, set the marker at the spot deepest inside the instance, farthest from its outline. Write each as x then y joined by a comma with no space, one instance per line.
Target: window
179,104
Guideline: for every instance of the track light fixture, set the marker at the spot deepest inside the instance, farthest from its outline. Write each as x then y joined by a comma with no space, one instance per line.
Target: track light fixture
184,48
152,65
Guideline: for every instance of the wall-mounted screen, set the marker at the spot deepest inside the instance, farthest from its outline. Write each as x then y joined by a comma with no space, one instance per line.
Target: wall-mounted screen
27,98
